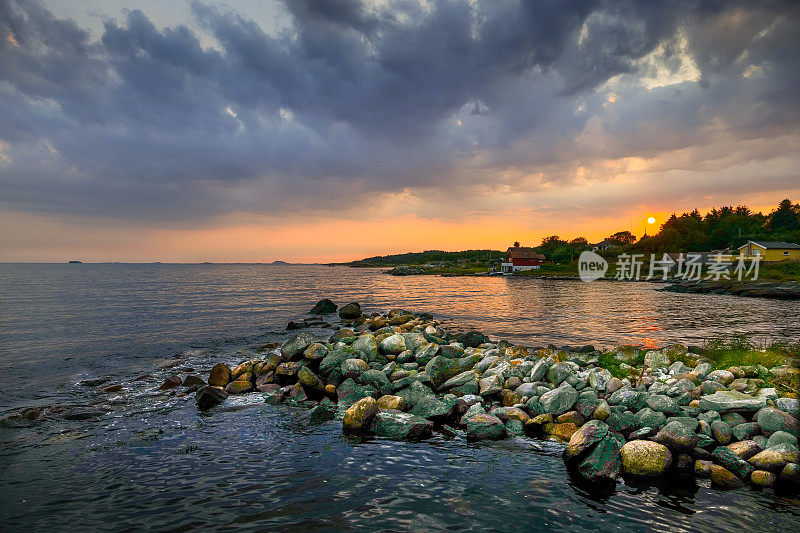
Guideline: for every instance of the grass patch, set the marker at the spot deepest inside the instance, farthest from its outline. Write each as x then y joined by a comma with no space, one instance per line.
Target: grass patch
617,368
783,271
741,351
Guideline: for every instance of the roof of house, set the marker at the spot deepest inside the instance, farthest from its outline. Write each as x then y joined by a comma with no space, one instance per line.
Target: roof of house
520,252
780,245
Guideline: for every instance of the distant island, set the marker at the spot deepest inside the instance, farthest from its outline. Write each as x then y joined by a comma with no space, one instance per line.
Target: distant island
74,262
279,263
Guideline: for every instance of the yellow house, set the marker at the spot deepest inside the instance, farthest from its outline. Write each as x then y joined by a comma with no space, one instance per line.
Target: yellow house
771,250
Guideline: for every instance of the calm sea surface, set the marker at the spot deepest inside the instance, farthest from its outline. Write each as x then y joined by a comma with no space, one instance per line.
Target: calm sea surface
154,462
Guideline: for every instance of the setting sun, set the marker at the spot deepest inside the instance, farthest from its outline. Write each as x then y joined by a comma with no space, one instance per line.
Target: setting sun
651,220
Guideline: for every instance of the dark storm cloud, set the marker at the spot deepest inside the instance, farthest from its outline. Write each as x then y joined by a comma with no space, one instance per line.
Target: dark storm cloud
354,99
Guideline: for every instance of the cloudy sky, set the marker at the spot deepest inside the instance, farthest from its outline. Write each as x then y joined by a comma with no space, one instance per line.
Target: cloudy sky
319,131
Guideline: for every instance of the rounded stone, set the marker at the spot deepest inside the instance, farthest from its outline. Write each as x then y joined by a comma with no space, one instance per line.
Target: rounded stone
645,458
485,427
359,415
762,478
220,375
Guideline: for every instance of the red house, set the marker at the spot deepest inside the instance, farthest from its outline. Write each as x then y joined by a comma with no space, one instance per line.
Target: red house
521,258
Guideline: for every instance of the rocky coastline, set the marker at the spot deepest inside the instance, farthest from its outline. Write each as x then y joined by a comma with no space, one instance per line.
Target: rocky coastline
751,289
670,413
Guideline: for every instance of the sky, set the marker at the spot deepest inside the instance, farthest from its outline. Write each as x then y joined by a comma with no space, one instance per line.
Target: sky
330,131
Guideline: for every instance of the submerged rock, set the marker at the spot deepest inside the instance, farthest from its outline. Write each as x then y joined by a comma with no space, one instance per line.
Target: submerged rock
397,425
207,397
323,307
485,427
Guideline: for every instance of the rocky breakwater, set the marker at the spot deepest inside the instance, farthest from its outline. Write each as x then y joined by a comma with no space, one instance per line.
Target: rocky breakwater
400,376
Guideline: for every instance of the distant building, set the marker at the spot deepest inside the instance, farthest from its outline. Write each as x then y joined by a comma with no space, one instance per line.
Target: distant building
521,258
771,250
605,244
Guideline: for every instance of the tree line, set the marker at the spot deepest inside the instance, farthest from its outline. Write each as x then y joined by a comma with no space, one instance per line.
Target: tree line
720,228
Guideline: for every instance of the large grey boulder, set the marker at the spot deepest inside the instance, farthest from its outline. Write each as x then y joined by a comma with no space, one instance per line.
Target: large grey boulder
401,426
727,400
296,345
559,400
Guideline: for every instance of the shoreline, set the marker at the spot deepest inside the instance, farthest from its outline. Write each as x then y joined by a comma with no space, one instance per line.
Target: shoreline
624,413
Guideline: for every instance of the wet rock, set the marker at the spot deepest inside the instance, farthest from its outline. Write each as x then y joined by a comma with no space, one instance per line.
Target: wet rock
357,417
315,351
366,346
559,400
472,339
732,462
323,307
207,397
349,393
762,478
393,345
721,432
239,387
746,431
745,449
396,403
485,427
295,347
514,428
171,382
655,359
663,404
287,369
630,399
309,379
645,458
396,425
220,375
790,475
441,368
557,373
193,380
320,413
350,311
377,380
781,437
723,477
584,440
775,458
353,368
677,436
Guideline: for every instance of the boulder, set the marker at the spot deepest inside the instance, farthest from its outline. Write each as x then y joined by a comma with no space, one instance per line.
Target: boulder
723,477
745,431
663,404
677,436
645,458
726,400
762,478
395,403
781,437
441,368
771,420
171,382
584,440
559,400
353,368
745,449
603,463
655,359
722,376
775,458
323,307
357,417
350,311
393,344
239,387
396,425
207,397
309,379
220,375
295,347
366,346
485,427
721,432
732,462
472,339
